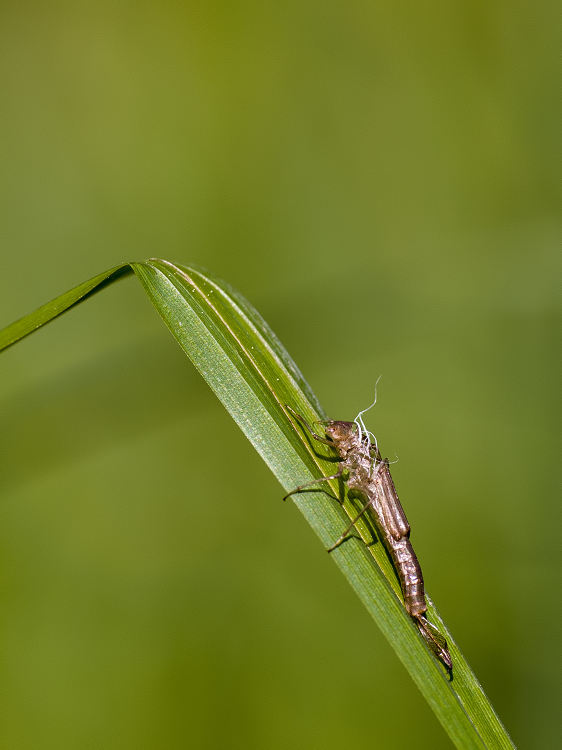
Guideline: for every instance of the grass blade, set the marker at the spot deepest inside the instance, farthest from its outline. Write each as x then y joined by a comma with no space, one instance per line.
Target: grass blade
53,309
254,377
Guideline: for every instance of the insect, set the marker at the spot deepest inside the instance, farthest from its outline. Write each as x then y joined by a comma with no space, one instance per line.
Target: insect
364,471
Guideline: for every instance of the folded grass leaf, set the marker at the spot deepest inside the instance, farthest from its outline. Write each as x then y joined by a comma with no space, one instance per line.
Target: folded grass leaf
254,377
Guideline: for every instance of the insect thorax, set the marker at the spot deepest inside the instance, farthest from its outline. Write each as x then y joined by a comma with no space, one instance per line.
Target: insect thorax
344,436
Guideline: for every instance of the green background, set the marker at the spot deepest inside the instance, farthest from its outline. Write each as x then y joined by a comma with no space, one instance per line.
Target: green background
383,182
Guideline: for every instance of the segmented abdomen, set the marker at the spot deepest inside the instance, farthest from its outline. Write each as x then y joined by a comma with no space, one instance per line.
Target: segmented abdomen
409,572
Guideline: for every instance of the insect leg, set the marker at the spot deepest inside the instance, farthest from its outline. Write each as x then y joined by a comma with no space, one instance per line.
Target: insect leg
315,481
308,427
351,525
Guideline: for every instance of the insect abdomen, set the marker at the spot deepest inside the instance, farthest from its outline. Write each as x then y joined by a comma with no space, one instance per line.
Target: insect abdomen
409,572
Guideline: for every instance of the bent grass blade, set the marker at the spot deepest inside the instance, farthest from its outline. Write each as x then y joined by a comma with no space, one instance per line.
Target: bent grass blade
253,376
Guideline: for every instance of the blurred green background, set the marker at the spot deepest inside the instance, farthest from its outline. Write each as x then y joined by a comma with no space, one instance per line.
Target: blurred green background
383,182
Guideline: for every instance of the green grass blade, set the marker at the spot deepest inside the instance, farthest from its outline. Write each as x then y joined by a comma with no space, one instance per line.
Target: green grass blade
44,314
254,377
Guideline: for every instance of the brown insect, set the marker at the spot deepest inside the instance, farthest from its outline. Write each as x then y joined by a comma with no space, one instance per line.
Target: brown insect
364,471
